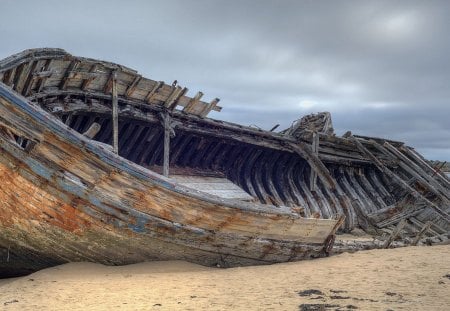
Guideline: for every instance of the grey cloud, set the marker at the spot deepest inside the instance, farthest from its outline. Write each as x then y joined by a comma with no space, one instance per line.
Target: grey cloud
380,67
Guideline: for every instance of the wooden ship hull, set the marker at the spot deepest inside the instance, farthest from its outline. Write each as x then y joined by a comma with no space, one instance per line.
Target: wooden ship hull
178,185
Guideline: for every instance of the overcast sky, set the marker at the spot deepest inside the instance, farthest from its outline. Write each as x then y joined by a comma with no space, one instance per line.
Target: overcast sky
382,68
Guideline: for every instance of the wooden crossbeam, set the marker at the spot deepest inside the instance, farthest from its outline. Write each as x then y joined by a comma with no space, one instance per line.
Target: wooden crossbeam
21,76
42,79
172,102
153,91
209,107
8,78
193,102
87,81
72,66
133,86
30,79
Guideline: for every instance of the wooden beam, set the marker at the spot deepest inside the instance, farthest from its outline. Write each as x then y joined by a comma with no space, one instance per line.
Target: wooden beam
8,78
67,76
193,102
115,113
315,150
92,130
394,234
209,107
315,163
426,166
415,171
21,76
422,231
399,181
130,90
167,129
153,91
87,82
42,79
173,102
30,79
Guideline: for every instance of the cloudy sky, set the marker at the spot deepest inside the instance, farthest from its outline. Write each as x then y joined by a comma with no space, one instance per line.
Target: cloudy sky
382,68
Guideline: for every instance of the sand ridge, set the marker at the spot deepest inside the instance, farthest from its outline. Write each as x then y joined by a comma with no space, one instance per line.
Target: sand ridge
411,278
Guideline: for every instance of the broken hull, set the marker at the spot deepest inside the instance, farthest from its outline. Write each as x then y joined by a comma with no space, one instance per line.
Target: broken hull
63,198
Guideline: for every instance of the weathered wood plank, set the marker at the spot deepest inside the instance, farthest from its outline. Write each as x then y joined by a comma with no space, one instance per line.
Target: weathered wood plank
394,234
420,234
315,150
115,113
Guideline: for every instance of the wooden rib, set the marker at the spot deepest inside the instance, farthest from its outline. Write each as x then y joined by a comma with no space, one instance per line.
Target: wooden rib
296,166
153,91
212,155
420,161
30,79
304,188
315,163
87,82
315,150
257,180
248,171
142,145
240,168
130,90
400,181
41,82
156,157
324,207
180,148
357,207
268,180
413,169
137,136
8,78
65,80
280,180
172,101
21,76
367,203
193,102
209,107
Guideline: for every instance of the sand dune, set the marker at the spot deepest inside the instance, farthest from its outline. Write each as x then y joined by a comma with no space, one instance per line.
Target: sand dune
413,278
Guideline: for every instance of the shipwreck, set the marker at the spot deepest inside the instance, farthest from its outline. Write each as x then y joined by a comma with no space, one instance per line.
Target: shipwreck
98,163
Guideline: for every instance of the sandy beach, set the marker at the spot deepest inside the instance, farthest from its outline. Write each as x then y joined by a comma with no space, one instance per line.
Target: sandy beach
412,278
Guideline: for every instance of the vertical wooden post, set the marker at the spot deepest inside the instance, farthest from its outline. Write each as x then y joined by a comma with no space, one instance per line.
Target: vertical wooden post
115,114
166,119
315,150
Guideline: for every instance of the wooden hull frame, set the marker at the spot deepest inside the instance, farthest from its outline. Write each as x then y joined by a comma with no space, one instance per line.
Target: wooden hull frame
64,198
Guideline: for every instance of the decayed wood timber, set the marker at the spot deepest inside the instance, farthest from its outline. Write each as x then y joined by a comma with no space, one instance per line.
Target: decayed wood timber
115,113
394,234
422,231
